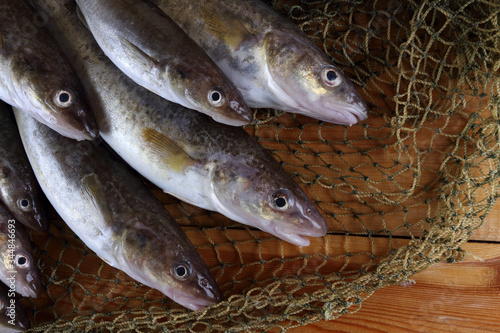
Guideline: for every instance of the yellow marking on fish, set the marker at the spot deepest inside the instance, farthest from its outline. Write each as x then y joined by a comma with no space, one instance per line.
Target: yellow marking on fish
93,191
224,25
166,149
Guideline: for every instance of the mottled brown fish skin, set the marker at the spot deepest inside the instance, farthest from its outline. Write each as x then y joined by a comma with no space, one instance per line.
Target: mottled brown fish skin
35,76
18,268
19,190
157,54
116,215
185,153
11,311
272,62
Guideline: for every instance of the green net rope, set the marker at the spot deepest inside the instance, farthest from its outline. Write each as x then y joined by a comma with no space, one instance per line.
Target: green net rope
401,191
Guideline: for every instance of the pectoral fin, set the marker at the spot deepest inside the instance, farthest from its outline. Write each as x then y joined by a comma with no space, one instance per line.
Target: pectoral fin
224,25
141,57
93,191
167,150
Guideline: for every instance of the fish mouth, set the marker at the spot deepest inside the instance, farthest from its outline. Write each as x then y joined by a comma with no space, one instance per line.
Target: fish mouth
298,235
191,302
299,239
231,121
90,130
348,114
344,114
359,109
78,126
80,135
42,224
91,134
295,239
242,115
37,221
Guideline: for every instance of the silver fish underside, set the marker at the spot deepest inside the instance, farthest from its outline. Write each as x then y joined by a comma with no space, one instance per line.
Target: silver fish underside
268,58
185,153
116,215
157,54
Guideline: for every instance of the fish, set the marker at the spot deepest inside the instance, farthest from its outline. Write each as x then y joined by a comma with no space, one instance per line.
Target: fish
157,54
18,268
185,153
271,61
12,315
35,76
19,190
111,210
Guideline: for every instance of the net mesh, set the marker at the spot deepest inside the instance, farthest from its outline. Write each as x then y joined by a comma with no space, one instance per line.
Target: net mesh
401,191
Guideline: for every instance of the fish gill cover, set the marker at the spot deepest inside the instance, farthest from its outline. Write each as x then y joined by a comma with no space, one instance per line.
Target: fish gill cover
400,191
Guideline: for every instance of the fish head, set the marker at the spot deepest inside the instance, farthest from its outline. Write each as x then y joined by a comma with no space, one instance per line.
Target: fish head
270,200
9,323
172,266
51,90
206,89
307,82
16,257
21,194
27,280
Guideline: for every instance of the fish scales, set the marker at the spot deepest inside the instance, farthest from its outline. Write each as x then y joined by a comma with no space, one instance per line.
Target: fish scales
35,76
157,54
185,153
19,190
272,62
116,215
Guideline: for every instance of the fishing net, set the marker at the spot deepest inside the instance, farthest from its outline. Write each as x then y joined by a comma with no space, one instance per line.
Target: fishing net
400,191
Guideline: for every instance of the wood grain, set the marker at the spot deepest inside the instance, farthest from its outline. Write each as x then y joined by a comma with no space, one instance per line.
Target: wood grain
459,297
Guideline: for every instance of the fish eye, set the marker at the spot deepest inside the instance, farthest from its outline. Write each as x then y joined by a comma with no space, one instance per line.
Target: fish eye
64,99
331,77
24,204
182,271
216,97
280,201
3,303
22,261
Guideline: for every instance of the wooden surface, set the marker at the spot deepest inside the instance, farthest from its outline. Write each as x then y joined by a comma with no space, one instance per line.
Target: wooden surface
459,297
446,297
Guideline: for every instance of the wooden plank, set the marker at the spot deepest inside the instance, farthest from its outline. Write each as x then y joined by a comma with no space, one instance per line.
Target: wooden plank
459,297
